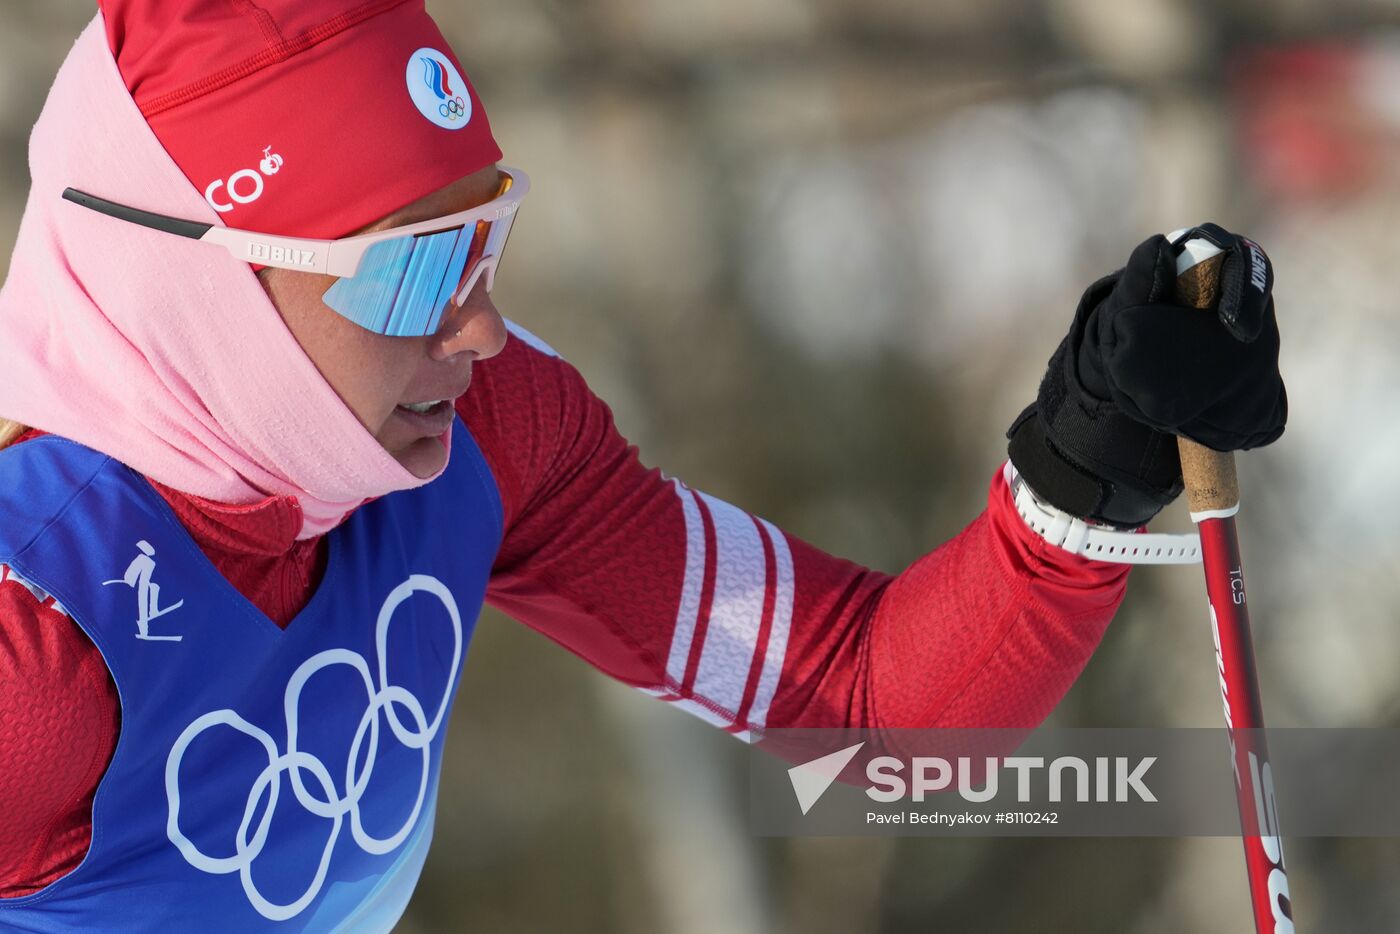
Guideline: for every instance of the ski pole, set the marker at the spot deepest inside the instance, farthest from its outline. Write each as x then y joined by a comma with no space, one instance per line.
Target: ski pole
1212,489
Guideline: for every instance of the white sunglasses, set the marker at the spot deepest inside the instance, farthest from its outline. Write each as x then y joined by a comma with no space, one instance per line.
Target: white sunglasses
396,282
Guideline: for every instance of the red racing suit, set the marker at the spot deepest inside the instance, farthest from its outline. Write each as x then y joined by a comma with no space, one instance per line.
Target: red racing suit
664,588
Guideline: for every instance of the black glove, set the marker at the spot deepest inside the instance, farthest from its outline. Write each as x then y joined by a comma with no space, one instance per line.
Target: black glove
1137,369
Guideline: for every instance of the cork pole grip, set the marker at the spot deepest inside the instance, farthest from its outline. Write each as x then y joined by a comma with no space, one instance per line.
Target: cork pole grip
1210,478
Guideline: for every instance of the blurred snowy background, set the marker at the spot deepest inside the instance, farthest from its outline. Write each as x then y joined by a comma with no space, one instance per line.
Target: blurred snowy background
815,253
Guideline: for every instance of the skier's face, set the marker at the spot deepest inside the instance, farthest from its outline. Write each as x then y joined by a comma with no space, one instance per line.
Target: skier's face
373,374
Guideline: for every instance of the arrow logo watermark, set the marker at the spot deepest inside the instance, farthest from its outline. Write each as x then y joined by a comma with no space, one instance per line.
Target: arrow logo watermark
811,780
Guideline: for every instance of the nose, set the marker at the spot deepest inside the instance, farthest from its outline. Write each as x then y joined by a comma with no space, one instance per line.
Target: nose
475,325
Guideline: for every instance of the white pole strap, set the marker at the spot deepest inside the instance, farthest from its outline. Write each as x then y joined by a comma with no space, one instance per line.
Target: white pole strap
1073,534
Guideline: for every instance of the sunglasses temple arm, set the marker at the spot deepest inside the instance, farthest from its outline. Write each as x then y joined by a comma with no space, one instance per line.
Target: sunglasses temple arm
190,229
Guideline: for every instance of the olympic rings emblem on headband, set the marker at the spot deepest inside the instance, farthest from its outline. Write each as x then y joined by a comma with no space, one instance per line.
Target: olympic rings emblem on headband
329,804
453,108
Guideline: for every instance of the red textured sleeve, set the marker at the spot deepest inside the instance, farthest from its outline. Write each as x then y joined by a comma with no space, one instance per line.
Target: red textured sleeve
719,612
990,629
59,717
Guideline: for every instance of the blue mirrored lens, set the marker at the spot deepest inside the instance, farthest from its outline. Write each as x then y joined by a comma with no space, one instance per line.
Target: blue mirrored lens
403,286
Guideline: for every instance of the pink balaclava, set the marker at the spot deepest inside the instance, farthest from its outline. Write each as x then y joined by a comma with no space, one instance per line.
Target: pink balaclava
292,117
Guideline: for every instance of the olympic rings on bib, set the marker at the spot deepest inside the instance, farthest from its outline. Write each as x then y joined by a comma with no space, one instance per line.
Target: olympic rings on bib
453,108
323,799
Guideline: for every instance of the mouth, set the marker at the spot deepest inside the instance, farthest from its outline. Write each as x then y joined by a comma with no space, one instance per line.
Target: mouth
422,408
432,417
428,419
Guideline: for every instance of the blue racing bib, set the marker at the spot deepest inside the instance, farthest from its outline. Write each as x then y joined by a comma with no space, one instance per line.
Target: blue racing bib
264,778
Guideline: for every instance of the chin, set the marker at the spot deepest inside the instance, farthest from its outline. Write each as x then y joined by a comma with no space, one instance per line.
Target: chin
424,457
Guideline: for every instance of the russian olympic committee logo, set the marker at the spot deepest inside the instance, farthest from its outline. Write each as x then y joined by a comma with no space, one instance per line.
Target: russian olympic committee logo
438,89
330,803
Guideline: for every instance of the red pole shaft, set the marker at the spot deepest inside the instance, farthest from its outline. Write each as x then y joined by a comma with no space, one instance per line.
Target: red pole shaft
1239,693
1212,488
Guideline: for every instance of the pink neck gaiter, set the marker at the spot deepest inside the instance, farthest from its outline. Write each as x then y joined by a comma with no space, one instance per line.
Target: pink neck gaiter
163,352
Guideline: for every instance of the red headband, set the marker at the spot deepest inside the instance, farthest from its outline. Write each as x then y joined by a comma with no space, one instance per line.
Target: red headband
304,118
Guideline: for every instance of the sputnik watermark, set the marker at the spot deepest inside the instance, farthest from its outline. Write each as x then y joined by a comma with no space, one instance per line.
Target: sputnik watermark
1136,782
1117,779
939,818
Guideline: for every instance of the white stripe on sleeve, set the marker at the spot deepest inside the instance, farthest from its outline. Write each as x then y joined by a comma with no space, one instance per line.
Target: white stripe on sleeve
688,610
736,609
776,650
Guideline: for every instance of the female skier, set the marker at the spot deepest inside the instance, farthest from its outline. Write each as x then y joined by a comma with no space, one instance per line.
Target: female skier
250,507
